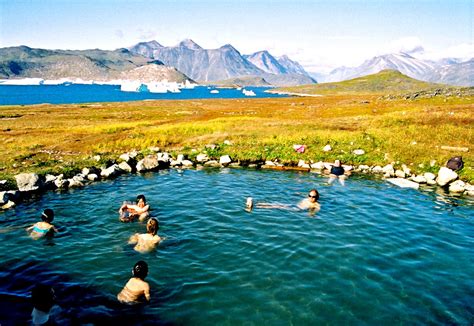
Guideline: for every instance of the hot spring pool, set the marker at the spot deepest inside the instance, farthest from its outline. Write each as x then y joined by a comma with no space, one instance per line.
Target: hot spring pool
375,254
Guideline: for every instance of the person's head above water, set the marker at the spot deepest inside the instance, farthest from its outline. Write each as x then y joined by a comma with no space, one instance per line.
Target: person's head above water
140,270
42,297
152,226
141,197
47,215
337,163
313,195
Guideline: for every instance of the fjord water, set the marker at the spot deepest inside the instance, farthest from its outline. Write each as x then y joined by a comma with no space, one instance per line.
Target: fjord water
375,254
78,93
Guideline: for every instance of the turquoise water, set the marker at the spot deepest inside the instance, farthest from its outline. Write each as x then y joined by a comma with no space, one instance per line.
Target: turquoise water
375,254
77,93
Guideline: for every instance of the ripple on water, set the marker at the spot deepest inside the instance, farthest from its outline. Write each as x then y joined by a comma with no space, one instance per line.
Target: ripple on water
375,253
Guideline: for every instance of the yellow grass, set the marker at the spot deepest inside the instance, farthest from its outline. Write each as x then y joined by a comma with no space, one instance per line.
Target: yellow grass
55,138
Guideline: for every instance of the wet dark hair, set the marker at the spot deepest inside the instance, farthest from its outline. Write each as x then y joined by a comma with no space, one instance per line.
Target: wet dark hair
140,270
317,193
141,197
42,297
152,226
47,215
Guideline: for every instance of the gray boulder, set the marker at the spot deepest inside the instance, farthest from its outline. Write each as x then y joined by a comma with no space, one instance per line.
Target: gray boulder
28,182
150,162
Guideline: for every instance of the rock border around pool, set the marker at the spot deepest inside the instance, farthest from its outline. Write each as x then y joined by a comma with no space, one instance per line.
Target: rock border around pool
31,183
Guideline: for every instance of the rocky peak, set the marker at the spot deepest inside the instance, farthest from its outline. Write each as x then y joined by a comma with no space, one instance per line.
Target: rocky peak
190,44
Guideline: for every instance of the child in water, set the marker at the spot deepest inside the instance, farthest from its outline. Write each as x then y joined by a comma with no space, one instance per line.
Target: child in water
136,288
147,241
44,227
130,212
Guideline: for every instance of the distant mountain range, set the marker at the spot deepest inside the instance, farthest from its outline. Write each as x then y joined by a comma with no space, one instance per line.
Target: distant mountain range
447,71
151,61
224,63
97,65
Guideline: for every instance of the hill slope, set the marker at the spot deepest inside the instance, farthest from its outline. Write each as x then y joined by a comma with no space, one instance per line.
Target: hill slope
384,82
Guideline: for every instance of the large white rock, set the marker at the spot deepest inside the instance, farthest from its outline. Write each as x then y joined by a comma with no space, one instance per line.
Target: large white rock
92,177
457,186
180,158
446,176
388,169
270,163
124,166
406,170
125,157
377,169
225,159
318,165
403,183
469,189
201,158
28,181
111,171
187,163
400,174
302,163
327,148
418,179
429,176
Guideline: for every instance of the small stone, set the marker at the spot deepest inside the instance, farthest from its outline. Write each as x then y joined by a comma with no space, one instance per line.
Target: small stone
270,163
432,163
364,167
211,146
327,148
302,163
406,170
187,163
388,170
111,171
227,142
430,182
154,149
180,158
8,205
358,152
96,158
125,157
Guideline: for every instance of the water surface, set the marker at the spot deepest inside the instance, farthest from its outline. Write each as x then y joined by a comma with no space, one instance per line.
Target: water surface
78,93
375,254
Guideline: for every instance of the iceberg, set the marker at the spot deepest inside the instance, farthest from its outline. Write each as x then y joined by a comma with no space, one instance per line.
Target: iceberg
248,93
26,81
130,86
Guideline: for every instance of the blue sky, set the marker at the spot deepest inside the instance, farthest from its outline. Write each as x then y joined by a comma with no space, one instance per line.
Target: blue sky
318,34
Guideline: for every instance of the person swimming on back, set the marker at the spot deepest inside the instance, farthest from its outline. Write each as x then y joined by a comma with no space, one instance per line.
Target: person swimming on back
44,227
310,203
136,288
147,241
130,212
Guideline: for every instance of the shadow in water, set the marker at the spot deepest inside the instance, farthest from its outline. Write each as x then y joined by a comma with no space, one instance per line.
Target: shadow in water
78,303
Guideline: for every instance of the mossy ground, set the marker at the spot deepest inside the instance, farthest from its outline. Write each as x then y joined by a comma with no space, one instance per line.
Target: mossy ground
63,138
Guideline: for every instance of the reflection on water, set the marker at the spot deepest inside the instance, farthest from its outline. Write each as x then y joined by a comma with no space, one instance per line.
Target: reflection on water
374,253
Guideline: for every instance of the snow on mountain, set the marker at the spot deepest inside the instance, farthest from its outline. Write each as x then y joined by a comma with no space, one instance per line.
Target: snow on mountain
266,62
402,62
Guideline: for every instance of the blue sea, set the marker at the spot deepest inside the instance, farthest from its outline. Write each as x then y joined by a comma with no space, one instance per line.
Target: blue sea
79,93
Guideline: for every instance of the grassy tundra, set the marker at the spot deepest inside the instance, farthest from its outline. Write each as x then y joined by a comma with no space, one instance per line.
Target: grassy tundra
63,138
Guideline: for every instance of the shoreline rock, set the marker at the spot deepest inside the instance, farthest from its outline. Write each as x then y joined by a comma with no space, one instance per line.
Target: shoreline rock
29,183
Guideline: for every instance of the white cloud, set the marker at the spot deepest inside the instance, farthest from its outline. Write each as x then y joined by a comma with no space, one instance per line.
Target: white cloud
464,51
